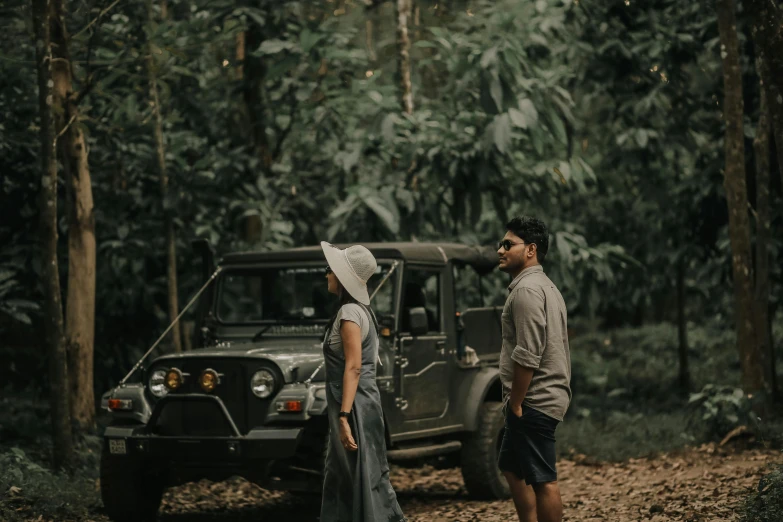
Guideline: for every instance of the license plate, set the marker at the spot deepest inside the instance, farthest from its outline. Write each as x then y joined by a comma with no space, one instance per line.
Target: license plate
117,447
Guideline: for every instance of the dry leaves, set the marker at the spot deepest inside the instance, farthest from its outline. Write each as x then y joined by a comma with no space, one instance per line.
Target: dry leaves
698,485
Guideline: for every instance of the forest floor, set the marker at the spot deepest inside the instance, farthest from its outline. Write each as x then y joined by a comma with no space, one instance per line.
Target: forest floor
702,484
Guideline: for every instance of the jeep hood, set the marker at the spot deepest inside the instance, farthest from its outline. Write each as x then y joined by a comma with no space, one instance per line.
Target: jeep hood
297,358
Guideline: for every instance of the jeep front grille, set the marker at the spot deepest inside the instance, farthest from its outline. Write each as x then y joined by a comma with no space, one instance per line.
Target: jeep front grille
246,410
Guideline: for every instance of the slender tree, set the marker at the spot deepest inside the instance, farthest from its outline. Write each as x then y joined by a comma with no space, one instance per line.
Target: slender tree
737,200
761,149
682,327
53,315
767,31
251,73
403,12
160,149
74,156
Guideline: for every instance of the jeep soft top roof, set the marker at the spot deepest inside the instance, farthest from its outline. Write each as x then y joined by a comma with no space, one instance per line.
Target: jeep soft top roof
482,259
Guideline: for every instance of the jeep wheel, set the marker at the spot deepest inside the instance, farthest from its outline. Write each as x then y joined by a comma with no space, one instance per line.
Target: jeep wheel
129,492
480,452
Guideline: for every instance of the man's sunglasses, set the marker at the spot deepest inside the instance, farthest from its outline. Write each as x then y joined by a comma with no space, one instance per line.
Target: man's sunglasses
328,269
506,244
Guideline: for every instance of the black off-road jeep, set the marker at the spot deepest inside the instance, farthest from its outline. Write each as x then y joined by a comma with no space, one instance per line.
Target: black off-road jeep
251,402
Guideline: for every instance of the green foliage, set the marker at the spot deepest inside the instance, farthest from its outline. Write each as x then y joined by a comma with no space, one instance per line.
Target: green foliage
27,488
620,435
626,401
722,408
766,503
600,117
641,364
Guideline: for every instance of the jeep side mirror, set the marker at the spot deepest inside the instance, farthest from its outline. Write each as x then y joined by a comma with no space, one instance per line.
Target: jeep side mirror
417,318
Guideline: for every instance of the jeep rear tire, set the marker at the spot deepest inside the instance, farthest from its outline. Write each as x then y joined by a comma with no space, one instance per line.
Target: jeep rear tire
129,492
480,452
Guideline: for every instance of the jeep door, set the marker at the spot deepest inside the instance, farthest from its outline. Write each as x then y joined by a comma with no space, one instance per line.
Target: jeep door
425,364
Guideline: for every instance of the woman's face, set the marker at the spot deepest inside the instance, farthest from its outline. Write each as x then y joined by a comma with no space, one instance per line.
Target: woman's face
333,285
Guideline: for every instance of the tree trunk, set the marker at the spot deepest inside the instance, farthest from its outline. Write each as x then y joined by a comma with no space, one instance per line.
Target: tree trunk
80,303
737,200
62,438
761,153
168,219
682,329
767,33
240,55
254,73
403,11
369,41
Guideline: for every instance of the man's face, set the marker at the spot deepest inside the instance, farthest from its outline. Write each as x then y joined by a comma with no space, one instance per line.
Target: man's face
513,259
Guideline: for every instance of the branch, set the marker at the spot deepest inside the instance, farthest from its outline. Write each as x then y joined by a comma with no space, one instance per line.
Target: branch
63,130
97,18
77,97
88,74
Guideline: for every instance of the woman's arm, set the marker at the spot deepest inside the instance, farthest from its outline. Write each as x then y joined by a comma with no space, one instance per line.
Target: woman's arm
351,335
352,349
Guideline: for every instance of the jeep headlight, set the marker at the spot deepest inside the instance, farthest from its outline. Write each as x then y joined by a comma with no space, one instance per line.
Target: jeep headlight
157,383
263,384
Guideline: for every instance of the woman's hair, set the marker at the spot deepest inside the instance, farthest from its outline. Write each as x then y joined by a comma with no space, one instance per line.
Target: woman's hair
345,298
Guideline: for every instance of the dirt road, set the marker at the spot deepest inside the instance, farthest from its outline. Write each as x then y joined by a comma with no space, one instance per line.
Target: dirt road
699,485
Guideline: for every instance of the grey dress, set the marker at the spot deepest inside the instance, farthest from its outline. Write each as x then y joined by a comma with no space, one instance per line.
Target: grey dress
356,483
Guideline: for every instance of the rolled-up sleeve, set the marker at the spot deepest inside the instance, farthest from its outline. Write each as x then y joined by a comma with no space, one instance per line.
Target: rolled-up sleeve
529,313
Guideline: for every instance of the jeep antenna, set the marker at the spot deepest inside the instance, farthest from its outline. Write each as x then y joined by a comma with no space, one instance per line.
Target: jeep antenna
385,278
163,335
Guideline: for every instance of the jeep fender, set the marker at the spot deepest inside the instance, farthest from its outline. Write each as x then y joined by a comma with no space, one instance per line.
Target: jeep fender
474,392
141,411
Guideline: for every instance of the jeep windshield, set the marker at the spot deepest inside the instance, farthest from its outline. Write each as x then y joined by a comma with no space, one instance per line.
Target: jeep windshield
288,294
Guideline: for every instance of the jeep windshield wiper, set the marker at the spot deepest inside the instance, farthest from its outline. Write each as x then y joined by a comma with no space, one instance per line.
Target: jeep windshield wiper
257,337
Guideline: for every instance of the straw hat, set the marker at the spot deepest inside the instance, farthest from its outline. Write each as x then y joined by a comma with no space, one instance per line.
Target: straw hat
353,267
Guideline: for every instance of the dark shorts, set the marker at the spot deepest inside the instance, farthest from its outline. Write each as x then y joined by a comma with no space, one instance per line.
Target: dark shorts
528,448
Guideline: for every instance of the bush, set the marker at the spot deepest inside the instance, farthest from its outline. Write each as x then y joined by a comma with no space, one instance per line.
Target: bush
642,363
766,503
27,488
720,409
617,436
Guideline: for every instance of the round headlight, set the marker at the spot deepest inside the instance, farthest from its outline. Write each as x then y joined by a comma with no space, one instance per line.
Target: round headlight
263,384
174,379
208,380
158,383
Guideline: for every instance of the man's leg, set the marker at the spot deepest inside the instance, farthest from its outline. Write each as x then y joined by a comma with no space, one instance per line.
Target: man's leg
524,497
549,506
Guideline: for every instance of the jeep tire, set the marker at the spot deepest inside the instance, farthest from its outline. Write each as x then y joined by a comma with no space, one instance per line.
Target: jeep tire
479,459
130,493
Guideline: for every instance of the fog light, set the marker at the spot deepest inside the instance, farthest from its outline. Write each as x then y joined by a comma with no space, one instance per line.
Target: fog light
209,380
289,406
174,379
120,404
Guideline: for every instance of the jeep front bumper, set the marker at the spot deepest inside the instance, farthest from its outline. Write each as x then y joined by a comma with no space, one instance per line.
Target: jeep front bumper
229,445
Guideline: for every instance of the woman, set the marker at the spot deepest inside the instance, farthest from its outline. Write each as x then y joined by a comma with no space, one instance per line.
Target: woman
356,475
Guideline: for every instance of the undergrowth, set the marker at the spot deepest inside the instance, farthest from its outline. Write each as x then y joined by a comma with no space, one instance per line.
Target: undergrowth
766,503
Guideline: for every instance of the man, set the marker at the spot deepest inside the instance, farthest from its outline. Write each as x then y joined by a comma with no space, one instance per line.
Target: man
535,370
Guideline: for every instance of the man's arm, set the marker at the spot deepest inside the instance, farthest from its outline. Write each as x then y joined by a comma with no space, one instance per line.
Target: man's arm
529,312
522,378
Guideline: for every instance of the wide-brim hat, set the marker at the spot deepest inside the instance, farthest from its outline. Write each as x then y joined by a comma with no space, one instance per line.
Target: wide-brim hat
353,267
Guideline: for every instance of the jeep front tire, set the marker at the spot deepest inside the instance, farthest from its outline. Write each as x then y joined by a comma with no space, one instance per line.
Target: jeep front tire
480,452
129,492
